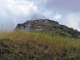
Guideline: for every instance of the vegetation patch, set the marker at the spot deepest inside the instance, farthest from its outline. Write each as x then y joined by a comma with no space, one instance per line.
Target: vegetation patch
19,45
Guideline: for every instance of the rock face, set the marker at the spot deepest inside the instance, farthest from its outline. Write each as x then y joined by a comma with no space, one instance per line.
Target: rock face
23,26
32,25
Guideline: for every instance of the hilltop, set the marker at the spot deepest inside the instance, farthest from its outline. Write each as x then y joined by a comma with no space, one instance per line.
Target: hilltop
48,26
35,25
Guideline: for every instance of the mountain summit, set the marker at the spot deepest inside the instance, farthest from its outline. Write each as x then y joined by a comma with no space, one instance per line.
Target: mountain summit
34,25
46,25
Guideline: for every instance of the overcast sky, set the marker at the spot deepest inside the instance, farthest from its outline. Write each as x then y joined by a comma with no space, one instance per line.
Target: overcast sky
66,12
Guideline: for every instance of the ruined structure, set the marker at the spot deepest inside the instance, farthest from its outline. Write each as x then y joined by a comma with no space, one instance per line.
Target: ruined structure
31,24
47,21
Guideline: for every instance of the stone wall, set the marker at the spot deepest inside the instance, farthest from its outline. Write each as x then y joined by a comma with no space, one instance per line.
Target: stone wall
47,21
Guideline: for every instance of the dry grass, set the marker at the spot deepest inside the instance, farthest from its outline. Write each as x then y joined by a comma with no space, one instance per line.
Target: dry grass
18,45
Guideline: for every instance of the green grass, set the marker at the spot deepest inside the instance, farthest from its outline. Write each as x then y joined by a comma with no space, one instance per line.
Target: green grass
18,45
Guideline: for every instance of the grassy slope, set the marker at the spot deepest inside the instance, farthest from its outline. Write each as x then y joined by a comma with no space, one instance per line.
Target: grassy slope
18,45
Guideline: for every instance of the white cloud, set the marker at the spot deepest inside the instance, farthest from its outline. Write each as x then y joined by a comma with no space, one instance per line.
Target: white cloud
57,16
48,14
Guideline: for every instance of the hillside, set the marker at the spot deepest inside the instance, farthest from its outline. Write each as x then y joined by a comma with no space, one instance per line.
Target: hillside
48,26
19,45
40,40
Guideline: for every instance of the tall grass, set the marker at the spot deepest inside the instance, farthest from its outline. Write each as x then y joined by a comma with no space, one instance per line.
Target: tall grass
19,45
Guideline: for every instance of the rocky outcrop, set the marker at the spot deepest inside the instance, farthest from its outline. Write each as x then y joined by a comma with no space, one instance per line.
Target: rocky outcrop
23,26
31,24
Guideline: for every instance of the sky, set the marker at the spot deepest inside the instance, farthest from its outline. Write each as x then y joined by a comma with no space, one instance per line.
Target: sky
66,12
